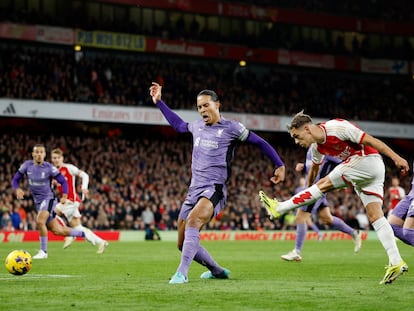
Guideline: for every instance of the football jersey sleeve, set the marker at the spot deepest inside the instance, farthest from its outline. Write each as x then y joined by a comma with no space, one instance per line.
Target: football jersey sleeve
241,130
23,168
348,131
316,156
53,170
73,170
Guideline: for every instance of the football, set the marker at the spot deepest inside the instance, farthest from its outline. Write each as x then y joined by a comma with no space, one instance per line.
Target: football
18,262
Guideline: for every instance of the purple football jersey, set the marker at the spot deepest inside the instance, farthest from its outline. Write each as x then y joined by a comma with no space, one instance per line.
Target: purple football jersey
328,164
412,182
39,179
405,208
213,150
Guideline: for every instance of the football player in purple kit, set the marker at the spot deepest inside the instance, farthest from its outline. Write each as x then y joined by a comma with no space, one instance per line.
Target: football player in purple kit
214,142
402,217
39,175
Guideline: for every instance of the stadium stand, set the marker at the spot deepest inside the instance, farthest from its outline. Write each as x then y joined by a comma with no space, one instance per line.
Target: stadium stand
53,74
126,178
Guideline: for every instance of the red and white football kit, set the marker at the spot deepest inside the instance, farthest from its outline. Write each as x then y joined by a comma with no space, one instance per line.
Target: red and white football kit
396,195
71,208
362,166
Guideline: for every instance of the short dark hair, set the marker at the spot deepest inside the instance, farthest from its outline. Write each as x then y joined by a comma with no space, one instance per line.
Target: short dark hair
299,120
39,146
214,96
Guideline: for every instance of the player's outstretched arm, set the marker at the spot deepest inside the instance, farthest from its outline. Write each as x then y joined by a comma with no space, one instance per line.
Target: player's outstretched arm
15,183
271,153
85,183
384,149
313,172
173,119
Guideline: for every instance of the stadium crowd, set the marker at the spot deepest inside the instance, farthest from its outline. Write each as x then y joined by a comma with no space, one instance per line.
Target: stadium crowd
279,35
137,181
43,73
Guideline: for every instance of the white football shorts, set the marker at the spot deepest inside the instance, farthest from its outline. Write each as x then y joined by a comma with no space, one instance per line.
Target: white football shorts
366,174
69,209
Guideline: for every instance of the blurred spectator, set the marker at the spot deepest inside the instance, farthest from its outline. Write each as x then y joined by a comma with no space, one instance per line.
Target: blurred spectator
152,233
16,219
148,219
395,193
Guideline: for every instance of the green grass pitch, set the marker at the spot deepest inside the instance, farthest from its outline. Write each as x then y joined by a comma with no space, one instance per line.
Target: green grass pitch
134,276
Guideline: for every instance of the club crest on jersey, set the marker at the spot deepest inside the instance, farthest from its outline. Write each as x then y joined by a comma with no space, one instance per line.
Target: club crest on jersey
345,154
219,132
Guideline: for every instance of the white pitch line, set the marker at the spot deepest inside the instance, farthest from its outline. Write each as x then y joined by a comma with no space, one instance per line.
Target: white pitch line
8,277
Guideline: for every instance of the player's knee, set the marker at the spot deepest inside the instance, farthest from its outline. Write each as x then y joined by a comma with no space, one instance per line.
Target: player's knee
196,222
56,230
325,184
40,223
326,220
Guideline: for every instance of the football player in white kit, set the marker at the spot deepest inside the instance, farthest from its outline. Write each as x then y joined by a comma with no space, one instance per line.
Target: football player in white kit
70,210
362,167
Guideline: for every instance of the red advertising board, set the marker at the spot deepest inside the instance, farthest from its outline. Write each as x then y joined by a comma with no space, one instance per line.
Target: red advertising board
216,235
18,31
271,236
56,35
210,50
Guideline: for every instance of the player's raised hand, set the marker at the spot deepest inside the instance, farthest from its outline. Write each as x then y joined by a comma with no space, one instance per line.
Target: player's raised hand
155,92
278,175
